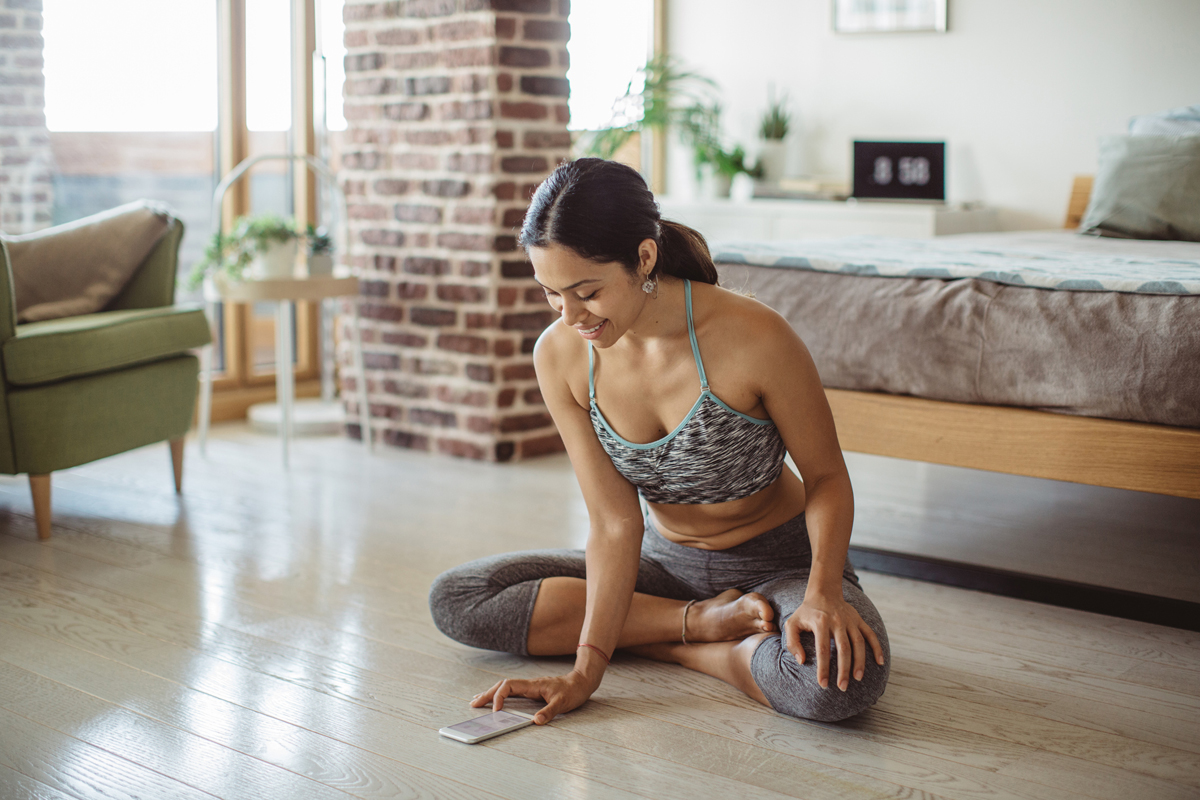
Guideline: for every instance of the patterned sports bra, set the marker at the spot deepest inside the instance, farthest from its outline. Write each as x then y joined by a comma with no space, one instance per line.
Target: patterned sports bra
715,455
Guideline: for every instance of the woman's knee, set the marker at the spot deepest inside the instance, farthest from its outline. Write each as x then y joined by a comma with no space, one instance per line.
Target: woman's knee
451,597
488,602
792,688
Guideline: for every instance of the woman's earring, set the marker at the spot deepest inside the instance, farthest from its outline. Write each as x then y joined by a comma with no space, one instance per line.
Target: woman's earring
650,287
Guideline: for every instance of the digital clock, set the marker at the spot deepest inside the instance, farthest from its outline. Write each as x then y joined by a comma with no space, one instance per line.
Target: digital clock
900,171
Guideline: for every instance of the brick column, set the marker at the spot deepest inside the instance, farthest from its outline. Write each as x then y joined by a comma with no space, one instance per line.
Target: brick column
26,190
457,109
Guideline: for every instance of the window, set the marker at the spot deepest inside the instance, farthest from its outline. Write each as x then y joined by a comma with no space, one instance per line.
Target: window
120,131
134,94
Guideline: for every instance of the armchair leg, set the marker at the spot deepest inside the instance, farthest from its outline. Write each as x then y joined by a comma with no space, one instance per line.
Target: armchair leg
177,463
39,487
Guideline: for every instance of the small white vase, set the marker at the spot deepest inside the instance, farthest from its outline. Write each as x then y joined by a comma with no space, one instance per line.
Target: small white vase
279,261
320,265
772,155
721,185
741,189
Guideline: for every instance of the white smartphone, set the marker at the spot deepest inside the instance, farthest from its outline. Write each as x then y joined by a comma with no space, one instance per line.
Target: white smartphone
478,729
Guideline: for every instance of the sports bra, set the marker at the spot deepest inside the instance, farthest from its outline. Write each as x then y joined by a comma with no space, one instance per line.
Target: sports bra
715,455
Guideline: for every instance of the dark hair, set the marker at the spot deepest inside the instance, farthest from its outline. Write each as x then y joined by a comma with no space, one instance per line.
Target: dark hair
603,211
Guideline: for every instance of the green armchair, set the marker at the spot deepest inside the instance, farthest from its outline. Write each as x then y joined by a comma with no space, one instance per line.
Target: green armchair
80,388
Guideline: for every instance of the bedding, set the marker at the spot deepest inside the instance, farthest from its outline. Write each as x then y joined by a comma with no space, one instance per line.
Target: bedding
1047,320
1147,187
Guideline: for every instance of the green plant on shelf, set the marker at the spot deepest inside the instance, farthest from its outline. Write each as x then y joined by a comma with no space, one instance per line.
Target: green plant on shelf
320,243
230,254
776,120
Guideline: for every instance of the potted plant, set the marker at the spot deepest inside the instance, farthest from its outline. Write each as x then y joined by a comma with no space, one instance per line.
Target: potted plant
670,96
702,127
257,248
320,252
772,130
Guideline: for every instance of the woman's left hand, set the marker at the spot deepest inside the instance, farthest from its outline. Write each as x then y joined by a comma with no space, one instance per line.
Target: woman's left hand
562,693
829,617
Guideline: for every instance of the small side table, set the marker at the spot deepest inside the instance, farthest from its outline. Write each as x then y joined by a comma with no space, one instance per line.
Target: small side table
284,292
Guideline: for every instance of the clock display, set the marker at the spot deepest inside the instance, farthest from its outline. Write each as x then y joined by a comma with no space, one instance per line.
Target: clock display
900,170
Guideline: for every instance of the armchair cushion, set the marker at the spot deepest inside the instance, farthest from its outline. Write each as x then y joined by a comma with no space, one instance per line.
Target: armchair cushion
43,352
79,267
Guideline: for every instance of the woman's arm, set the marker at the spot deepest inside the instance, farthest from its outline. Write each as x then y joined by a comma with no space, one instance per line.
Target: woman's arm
613,546
796,402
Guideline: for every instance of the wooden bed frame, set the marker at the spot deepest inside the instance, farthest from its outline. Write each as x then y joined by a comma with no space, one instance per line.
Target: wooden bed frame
1100,452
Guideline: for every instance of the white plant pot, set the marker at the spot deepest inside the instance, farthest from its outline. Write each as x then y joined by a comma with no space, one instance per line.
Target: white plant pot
320,265
772,154
279,261
741,190
721,184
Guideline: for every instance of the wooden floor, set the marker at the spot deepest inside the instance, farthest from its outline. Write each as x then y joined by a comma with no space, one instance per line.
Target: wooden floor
266,636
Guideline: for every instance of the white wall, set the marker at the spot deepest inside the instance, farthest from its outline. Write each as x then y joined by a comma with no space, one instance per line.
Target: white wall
1019,89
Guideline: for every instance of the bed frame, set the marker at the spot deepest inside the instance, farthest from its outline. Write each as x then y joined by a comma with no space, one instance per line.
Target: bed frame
1100,452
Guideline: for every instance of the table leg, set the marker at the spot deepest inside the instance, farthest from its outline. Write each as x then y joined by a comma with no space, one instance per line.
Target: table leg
326,349
206,383
283,372
360,377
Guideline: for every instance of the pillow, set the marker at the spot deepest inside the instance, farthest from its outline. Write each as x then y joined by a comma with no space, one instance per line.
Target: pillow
1147,187
1177,121
78,268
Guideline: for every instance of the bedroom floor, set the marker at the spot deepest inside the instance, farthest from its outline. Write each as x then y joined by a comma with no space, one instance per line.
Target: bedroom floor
266,635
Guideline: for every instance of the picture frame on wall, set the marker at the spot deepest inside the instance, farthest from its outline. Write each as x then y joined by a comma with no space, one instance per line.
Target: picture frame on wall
889,16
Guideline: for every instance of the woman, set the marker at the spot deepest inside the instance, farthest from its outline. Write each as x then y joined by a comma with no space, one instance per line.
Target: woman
734,546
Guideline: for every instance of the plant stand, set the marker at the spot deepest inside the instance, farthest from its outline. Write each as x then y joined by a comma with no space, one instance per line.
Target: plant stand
285,292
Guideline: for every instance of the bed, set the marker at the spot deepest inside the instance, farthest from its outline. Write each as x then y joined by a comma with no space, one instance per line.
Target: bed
1045,354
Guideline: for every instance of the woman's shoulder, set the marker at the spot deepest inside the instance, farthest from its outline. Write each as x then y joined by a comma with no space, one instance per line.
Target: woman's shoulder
735,316
560,358
558,345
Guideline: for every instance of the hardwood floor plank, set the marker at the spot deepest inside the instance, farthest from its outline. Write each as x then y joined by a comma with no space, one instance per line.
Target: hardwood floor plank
1019,670
1152,721
17,786
79,769
1035,620
1096,780
196,761
1158,761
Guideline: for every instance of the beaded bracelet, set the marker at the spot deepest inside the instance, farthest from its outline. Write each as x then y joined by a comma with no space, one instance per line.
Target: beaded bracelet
607,660
683,634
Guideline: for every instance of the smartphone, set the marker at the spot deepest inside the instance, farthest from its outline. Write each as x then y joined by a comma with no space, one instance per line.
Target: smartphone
477,730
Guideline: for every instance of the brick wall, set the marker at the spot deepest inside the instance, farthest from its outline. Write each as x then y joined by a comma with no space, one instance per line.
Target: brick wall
457,109
25,157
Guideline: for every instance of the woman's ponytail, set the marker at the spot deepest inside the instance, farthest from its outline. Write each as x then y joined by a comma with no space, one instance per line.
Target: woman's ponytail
683,253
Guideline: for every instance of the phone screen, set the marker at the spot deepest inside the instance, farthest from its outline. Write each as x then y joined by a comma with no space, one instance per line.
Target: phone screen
488,723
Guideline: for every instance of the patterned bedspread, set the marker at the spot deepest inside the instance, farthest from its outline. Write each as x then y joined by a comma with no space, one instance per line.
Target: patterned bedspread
1060,260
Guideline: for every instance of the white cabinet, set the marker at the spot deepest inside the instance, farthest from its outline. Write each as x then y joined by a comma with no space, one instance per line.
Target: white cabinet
819,219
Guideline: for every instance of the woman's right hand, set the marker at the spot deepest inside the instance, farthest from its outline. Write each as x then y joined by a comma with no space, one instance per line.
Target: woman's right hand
561,693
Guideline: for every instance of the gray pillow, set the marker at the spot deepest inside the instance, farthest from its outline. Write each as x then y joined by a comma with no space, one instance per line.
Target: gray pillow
79,267
1147,187
1174,122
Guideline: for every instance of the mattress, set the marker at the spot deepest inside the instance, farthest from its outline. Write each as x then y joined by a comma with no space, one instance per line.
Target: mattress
1045,320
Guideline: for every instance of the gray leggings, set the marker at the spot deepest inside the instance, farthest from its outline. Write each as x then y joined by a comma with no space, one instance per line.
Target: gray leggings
488,603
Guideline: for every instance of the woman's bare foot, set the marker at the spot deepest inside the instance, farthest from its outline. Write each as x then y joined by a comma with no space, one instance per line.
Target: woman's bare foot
728,616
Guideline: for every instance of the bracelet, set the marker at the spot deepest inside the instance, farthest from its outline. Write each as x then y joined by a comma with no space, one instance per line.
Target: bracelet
607,660
683,633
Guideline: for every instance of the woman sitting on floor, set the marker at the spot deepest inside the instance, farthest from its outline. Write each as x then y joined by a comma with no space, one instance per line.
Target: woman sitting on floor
733,546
